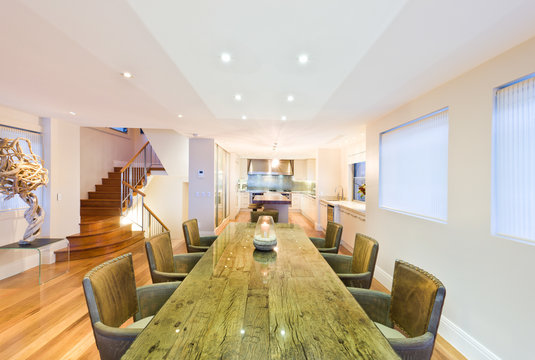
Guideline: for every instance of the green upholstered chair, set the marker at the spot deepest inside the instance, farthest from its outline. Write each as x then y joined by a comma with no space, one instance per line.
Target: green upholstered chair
112,298
331,242
256,214
356,270
194,242
409,317
163,265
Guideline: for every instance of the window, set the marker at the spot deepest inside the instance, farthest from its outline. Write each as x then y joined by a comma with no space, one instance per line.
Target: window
359,181
36,139
513,161
120,129
413,167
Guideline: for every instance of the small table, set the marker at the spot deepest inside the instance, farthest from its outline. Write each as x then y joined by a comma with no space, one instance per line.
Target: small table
275,202
38,245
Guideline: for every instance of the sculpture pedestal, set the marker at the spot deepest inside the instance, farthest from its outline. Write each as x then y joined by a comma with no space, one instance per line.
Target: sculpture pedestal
45,247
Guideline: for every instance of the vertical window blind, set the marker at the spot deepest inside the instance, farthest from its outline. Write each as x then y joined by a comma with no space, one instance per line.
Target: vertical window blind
413,167
513,179
36,140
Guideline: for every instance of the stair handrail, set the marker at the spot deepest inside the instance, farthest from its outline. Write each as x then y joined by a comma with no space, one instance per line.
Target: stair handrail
134,157
150,228
134,176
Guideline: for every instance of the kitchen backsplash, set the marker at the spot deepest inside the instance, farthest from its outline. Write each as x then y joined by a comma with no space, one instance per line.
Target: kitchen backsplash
279,183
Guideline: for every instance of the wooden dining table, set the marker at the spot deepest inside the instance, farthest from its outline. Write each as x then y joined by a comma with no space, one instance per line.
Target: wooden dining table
240,303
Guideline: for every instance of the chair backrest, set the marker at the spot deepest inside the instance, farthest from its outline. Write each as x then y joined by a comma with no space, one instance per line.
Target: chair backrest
364,254
191,232
160,253
333,235
110,291
256,214
417,300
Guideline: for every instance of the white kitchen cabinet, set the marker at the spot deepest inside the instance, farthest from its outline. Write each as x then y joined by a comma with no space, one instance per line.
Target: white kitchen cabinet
296,201
244,200
353,223
309,208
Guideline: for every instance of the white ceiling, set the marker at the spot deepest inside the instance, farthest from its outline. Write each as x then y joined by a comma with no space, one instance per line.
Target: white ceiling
366,58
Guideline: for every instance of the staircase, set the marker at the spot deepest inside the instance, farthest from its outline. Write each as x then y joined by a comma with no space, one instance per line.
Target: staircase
101,231
101,228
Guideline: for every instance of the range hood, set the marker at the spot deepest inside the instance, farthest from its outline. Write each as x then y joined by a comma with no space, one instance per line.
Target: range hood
266,167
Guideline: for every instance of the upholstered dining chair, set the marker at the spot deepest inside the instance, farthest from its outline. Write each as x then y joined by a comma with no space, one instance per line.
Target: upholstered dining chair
256,214
356,270
112,298
410,316
163,265
331,242
194,242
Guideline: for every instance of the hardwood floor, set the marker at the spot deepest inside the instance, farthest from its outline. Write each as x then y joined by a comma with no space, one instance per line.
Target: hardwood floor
51,321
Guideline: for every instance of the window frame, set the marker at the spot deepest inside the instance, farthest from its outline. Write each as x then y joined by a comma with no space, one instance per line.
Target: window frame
380,182
494,189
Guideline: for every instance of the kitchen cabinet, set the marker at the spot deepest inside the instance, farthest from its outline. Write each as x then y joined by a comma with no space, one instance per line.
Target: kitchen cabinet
244,200
353,223
309,208
296,201
323,215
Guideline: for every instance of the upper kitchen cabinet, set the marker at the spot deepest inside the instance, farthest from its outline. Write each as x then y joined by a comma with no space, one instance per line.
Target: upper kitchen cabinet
305,169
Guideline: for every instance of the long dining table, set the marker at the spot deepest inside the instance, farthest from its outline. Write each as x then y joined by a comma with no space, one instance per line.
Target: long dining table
240,303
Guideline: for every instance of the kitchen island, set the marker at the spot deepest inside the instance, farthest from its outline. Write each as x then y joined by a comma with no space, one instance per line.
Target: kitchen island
274,201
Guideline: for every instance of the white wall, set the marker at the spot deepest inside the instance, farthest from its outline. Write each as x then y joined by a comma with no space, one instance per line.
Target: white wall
489,280
62,139
327,171
201,190
62,158
172,149
99,148
166,197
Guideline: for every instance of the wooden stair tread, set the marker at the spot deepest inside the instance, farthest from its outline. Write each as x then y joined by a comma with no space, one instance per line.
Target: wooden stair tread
104,230
76,254
91,219
93,244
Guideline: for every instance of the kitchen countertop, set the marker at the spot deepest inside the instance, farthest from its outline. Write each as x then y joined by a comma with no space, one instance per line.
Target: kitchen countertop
271,198
357,206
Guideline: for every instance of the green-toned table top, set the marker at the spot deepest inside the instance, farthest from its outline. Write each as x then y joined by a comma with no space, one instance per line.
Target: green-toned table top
239,303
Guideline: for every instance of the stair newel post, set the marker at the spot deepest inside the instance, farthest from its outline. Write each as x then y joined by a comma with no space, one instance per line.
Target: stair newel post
145,167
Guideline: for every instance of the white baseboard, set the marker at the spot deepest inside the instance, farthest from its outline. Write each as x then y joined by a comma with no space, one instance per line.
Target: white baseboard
457,337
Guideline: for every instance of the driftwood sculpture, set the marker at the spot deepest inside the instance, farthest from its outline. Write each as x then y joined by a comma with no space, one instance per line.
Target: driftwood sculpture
22,174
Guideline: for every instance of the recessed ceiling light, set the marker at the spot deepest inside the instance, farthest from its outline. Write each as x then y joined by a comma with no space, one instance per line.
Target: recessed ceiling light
303,59
284,118
225,57
243,117
180,115
290,98
237,97
72,113
127,75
